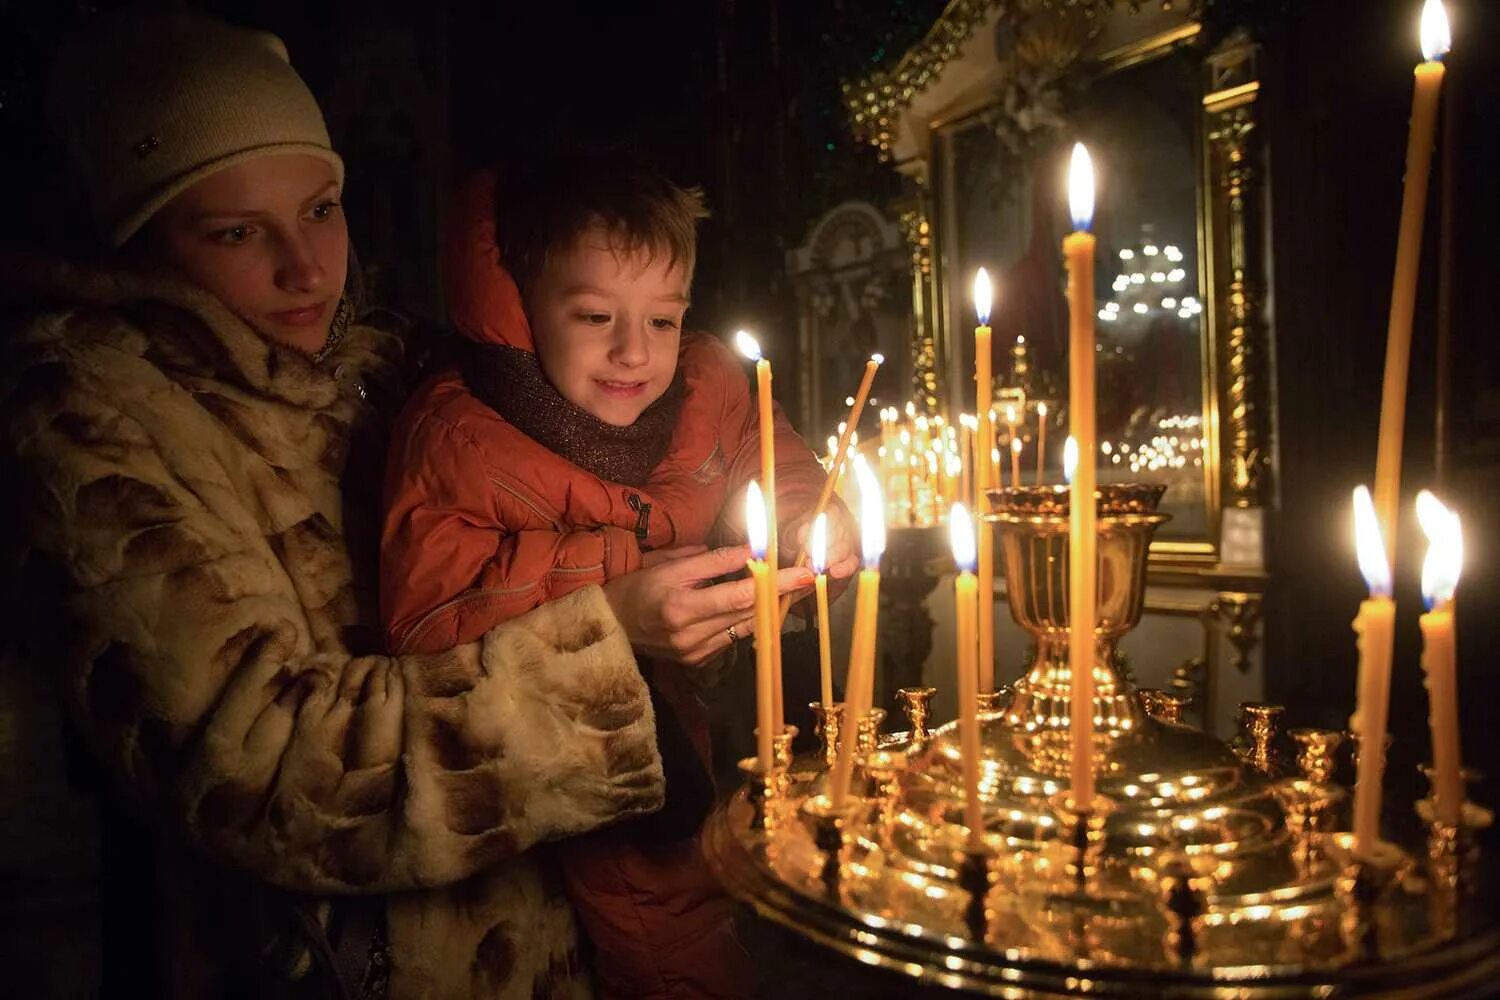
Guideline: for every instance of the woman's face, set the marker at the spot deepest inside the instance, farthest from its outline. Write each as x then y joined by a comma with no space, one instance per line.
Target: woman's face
267,237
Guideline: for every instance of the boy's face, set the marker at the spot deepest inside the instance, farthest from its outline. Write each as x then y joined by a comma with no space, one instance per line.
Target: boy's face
607,324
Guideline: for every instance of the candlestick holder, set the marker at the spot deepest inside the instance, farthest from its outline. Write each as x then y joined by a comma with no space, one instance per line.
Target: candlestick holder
1166,707
1453,854
759,790
867,739
781,748
827,725
1184,888
916,703
1271,904
1363,886
975,877
1260,724
828,823
883,769
1081,829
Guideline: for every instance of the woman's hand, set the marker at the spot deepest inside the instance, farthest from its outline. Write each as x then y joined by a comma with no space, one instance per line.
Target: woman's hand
843,540
667,610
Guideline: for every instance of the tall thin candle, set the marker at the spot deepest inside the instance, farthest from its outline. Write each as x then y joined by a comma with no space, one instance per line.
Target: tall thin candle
1429,82
1078,248
965,603
984,477
756,529
1376,627
818,551
1440,572
750,348
859,684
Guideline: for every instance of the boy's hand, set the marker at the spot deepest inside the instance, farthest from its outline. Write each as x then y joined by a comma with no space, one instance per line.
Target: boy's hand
843,541
667,611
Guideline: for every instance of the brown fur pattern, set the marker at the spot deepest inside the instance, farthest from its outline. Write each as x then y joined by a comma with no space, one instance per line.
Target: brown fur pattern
180,482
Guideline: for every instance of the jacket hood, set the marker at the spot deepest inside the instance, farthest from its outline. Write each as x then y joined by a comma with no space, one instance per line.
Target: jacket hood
484,302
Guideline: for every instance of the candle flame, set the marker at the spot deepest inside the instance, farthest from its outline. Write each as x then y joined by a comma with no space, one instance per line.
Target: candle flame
1370,546
1010,414
817,546
871,514
1015,445
983,296
1445,549
1070,459
756,528
1081,188
747,345
1436,39
961,536
879,359
1041,409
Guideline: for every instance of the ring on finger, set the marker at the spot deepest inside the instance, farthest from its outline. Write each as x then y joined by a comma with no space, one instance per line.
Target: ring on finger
733,635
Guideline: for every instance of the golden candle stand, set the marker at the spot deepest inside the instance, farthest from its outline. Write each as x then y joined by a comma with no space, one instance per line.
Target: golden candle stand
1198,870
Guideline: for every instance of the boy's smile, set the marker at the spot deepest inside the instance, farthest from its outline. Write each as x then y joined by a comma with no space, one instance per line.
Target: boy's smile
607,322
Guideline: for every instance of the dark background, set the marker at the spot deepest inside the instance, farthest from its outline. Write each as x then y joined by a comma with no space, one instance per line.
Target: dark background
742,97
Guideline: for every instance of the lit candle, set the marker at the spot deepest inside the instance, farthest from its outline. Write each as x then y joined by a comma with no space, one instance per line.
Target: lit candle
846,436
966,609
1376,627
1440,573
818,551
984,476
1078,249
757,528
859,683
1041,441
1429,82
750,348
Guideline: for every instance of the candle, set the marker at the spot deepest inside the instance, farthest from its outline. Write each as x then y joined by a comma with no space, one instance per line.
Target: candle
984,478
1041,441
757,528
847,435
1440,573
818,551
966,609
859,683
1429,82
1078,248
1376,627
750,348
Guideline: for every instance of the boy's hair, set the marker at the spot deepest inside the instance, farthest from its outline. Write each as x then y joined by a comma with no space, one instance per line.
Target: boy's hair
543,208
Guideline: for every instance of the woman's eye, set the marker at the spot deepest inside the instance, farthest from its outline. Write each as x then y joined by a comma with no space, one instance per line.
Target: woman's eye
594,319
324,210
664,323
231,236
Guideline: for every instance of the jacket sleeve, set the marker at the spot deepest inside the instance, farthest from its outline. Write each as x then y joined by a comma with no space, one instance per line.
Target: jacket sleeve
454,564
185,651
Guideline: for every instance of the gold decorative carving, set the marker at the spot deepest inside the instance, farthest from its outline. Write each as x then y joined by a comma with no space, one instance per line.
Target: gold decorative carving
1241,614
1231,133
917,230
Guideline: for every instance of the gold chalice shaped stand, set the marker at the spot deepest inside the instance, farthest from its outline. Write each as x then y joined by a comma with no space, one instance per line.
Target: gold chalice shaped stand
1199,870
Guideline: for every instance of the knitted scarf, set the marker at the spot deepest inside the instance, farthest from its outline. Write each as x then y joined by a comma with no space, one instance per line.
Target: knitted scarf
510,381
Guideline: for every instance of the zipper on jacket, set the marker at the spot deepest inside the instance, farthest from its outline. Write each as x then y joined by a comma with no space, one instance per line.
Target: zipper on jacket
642,518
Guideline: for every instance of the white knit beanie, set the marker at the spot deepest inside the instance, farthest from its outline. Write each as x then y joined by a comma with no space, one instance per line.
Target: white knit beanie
151,103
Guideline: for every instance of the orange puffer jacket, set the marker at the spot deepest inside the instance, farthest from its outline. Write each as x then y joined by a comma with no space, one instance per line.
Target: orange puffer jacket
483,523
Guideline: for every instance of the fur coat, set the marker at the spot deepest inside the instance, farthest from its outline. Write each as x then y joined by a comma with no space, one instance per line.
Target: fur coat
182,537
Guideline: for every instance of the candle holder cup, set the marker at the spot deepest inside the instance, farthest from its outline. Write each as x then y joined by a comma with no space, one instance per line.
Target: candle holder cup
827,725
916,703
829,824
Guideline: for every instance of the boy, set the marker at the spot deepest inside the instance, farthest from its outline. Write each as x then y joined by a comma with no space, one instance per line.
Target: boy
581,430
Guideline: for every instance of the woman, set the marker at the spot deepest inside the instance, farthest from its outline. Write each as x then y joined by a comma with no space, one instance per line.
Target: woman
197,436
